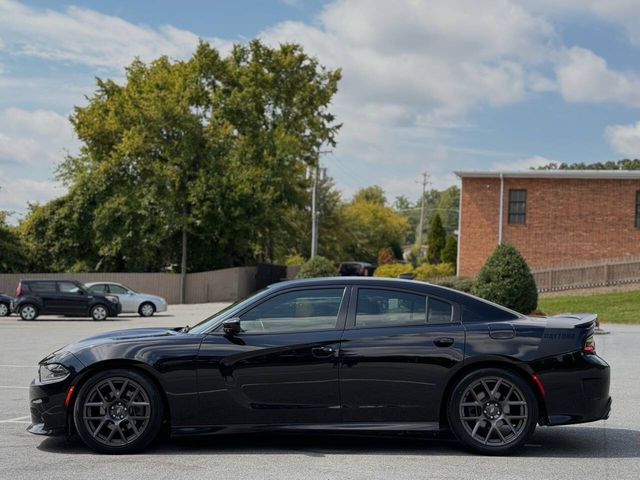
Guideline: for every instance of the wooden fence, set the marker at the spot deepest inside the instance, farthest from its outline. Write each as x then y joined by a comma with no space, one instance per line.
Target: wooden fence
596,274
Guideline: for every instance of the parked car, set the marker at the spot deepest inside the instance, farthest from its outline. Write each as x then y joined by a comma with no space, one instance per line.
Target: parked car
62,297
143,304
5,305
358,269
345,354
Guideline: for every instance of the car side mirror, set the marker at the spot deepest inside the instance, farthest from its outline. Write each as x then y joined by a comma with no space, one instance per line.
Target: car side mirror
232,326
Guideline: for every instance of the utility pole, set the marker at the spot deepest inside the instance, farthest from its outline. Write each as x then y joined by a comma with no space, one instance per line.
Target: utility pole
424,182
318,175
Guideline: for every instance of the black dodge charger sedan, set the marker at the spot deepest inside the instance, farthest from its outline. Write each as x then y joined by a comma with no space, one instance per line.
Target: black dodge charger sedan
344,354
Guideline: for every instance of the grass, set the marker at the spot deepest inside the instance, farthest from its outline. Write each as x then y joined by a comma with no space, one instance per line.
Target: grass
618,307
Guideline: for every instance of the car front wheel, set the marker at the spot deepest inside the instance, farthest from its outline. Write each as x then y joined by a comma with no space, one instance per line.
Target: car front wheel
492,411
147,309
118,411
99,312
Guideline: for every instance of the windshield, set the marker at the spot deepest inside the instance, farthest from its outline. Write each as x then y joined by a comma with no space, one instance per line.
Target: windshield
209,322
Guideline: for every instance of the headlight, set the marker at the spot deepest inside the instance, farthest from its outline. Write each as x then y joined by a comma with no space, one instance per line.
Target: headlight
53,372
112,298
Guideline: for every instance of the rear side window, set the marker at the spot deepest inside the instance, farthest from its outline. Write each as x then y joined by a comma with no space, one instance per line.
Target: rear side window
100,288
68,287
42,287
117,289
383,308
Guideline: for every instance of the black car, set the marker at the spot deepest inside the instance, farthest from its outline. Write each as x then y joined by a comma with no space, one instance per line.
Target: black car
356,269
347,354
62,297
5,305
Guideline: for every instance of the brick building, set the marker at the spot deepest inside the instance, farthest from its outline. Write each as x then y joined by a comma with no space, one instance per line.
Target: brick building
554,217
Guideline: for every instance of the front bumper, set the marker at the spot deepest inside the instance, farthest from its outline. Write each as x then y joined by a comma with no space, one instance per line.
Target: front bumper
46,403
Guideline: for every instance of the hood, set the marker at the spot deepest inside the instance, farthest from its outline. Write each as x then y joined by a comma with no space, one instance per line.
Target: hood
122,336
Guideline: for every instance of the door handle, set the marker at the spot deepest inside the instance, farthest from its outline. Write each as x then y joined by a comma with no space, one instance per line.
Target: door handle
443,342
320,352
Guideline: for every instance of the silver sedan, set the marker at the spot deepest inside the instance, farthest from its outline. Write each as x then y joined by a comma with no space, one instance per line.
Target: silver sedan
143,304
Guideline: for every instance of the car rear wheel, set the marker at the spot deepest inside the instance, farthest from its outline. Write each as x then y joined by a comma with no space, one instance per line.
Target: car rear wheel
147,309
28,312
118,411
4,310
99,312
492,411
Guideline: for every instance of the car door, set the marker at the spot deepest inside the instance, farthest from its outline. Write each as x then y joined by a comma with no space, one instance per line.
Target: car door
72,299
282,368
127,299
48,294
397,351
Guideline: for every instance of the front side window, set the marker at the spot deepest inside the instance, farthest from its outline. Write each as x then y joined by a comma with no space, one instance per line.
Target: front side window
117,289
517,207
297,311
638,209
383,308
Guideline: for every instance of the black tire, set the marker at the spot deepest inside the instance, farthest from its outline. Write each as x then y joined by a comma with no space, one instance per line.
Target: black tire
492,411
28,312
99,312
146,309
85,423
5,309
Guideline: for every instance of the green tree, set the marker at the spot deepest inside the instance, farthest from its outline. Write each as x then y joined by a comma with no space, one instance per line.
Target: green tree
12,249
370,226
436,240
506,279
625,164
449,253
209,153
373,194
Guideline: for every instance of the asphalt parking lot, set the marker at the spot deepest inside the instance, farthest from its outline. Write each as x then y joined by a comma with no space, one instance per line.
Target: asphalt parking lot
602,450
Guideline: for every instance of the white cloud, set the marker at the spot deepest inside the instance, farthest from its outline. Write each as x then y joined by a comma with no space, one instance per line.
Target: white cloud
624,139
84,36
522,164
15,195
35,139
584,76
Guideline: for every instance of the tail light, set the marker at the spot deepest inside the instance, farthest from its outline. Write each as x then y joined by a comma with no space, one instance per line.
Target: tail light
19,289
589,344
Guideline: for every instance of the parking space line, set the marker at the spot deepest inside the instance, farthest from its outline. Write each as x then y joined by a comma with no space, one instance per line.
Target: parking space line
11,386
18,366
17,420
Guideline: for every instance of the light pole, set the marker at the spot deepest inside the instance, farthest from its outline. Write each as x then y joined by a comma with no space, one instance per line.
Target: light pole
318,175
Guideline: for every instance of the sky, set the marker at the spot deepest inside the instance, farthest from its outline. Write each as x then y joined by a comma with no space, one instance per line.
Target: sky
428,86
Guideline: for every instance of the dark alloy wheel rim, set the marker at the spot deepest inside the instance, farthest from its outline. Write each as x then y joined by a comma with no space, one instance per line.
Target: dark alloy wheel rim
494,411
116,411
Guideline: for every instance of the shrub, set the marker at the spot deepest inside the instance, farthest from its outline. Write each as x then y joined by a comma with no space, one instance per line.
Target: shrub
463,284
449,253
506,279
436,239
294,259
427,270
385,256
317,267
393,270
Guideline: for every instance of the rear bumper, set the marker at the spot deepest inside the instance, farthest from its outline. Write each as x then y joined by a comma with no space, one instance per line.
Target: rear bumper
576,389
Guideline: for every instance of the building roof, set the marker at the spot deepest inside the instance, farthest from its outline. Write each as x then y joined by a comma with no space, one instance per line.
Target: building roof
584,174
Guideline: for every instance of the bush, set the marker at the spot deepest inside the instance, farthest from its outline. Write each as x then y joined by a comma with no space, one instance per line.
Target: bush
506,279
294,259
317,267
385,256
449,253
463,284
393,270
426,271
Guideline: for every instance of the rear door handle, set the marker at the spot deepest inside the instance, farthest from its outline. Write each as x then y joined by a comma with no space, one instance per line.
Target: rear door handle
443,342
321,352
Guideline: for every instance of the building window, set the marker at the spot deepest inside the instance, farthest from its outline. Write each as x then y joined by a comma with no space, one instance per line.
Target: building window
517,207
638,209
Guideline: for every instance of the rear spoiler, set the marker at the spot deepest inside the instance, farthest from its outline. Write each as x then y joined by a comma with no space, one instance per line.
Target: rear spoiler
584,319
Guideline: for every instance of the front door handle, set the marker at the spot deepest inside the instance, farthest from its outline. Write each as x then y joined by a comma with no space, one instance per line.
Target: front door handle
320,352
443,342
